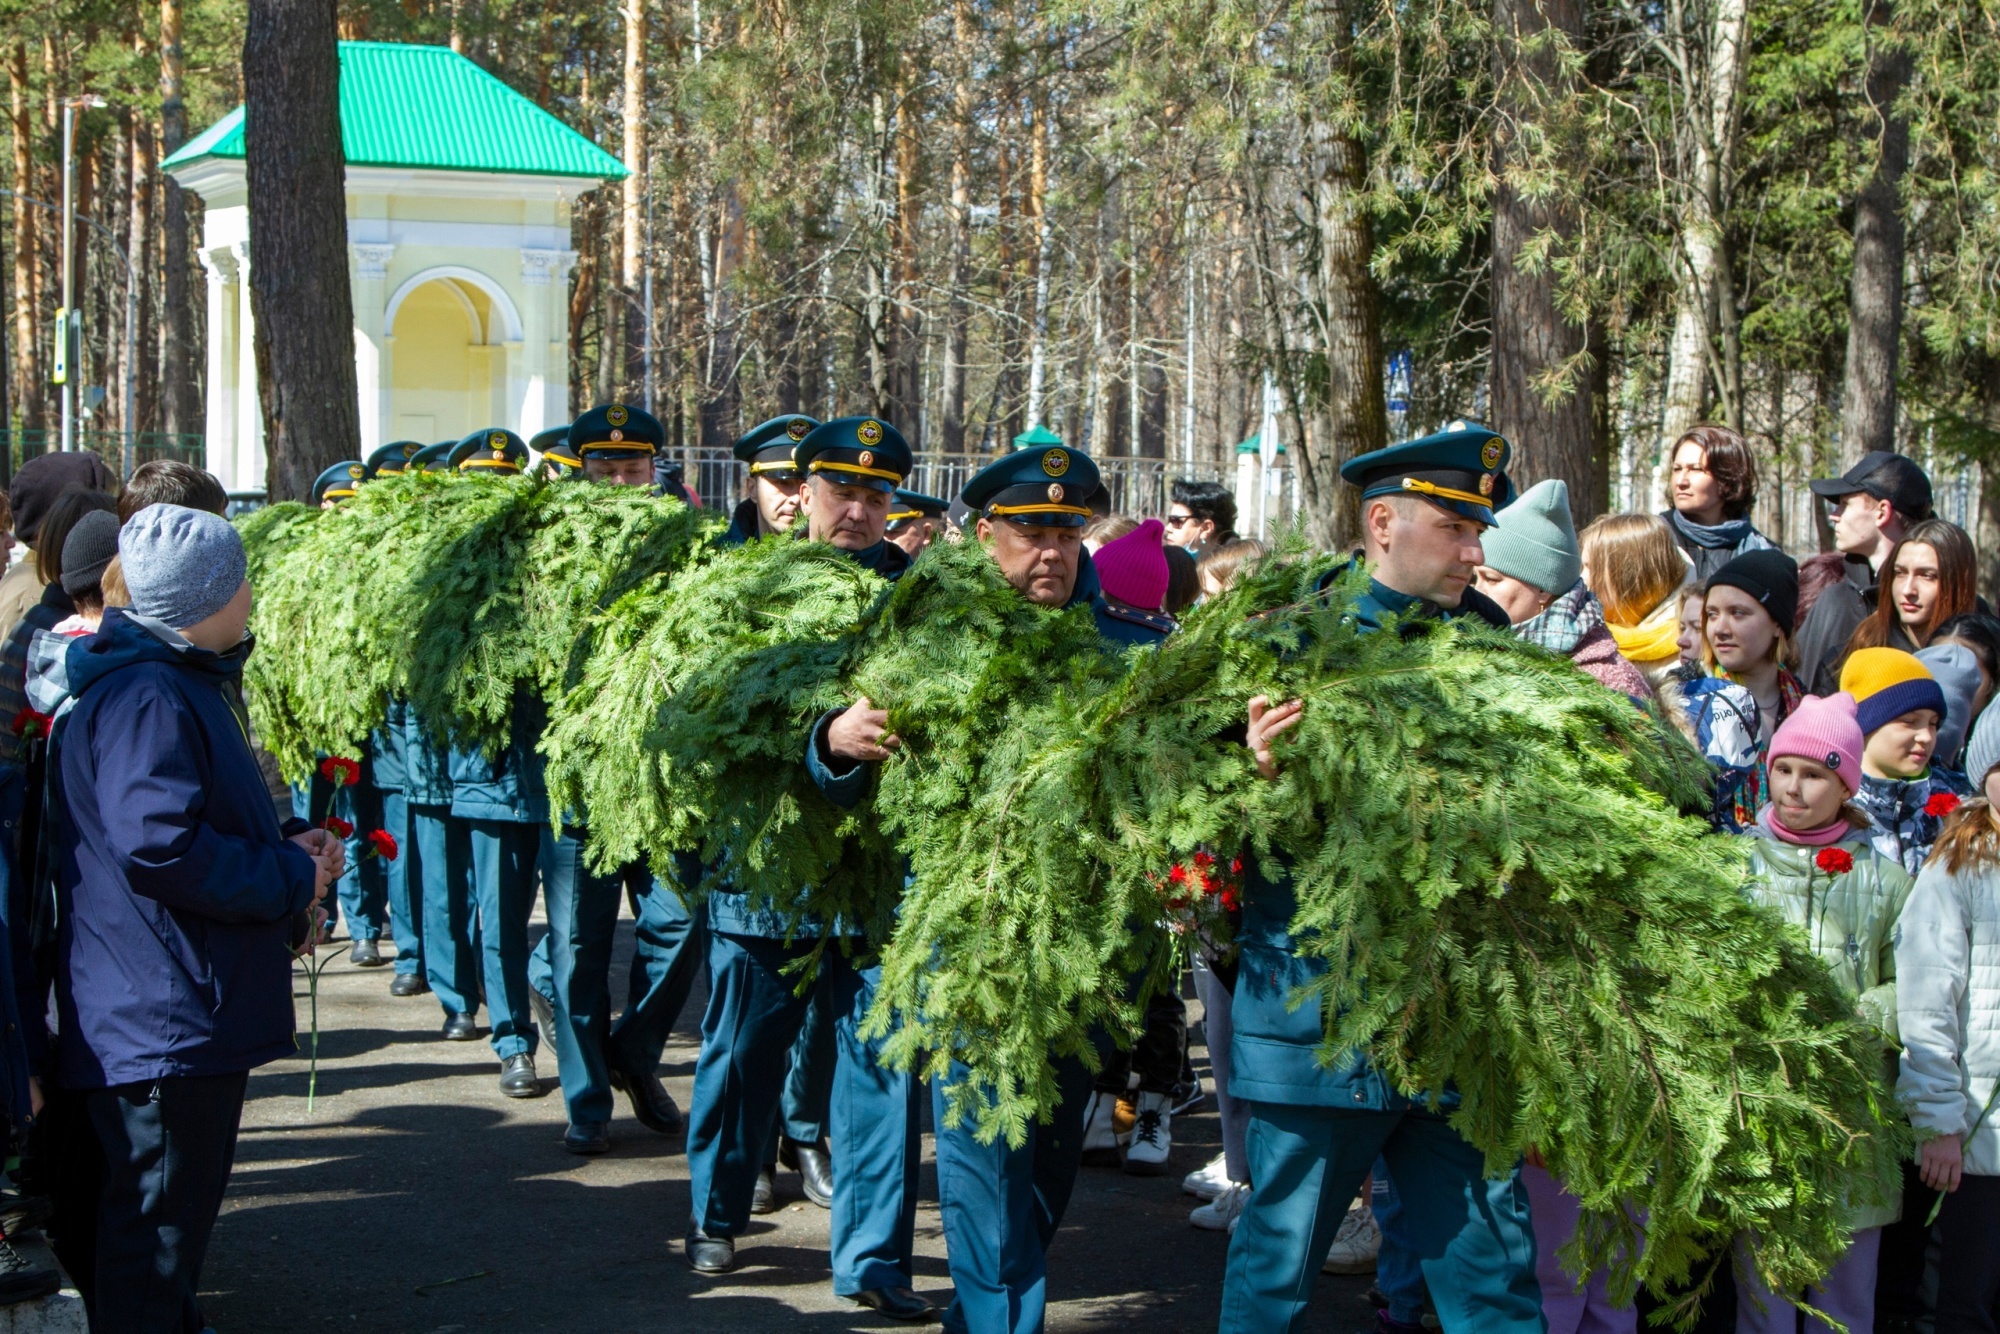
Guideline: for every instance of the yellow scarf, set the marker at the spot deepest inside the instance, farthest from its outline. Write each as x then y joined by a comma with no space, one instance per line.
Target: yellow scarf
1654,639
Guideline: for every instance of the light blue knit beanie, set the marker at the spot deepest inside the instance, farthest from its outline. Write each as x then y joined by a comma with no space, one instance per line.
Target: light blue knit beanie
1534,539
182,565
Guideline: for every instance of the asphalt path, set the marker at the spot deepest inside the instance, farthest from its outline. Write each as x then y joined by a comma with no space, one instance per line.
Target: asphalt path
412,1196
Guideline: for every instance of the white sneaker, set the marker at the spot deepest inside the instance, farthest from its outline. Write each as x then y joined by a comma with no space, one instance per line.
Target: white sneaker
1209,1180
1356,1245
1152,1136
1219,1214
1100,1135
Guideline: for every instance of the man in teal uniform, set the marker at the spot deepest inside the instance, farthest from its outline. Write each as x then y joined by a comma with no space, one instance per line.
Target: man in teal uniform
505,803
755,1013
1315,1132
917,520
386,770
775,477
1001,1205
613,445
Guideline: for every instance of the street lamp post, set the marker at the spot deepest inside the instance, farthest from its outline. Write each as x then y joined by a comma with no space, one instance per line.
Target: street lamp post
66,317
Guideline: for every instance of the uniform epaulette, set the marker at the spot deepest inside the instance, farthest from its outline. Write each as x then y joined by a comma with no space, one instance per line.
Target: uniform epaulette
1152,620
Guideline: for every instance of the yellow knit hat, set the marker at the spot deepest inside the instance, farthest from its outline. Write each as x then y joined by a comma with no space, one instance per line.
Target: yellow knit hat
1887,683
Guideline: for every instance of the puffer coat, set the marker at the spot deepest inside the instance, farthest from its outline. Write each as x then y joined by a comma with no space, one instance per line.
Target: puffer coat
1948,1000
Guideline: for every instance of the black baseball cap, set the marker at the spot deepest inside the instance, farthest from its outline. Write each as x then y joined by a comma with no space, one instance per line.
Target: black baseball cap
1885,476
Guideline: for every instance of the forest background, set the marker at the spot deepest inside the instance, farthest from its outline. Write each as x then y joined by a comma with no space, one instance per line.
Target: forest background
1144,223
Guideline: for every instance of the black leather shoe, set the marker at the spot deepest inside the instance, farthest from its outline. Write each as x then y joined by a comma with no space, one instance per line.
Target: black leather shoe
588,1139
365,954
815,1169
764,1195
651,1103
23,1213
517,1077
408,984
710,1255
897,1304
544,1011
460,1028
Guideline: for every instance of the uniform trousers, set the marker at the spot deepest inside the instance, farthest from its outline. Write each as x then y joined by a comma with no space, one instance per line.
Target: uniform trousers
668,951
1472,1236
755,1013
168,1148
504,858
443,872
404,891
1002,1205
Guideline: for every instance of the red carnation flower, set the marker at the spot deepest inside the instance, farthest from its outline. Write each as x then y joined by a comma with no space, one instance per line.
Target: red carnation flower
1236,866
340,771
1229,899
1834,861
1178,875
1204,860
29,724
338,827
383,844
1941,804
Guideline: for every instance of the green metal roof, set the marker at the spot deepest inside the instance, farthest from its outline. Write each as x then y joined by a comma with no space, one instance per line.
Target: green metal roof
1255,444
428,106
1035,437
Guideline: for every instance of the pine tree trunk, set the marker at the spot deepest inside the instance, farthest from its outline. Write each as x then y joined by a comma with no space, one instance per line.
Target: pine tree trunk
1875,297
300,300
1546,418
632,214
177,398
958,316
1357,416
30,395
139,246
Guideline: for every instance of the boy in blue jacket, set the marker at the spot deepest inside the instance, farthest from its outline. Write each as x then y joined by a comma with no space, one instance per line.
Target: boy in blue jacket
178,894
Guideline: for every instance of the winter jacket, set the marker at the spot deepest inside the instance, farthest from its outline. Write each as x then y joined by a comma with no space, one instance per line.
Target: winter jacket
386,747
53,607
1729,727
1573,625
1850,922
1908,813
175,884
1825,630
1948,1001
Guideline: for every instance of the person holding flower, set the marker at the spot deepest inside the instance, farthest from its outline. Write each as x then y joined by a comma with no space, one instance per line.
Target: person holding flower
1813,864
1901,708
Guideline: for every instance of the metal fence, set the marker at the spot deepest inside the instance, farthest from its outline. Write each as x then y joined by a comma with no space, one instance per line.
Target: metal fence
1137,486
122,451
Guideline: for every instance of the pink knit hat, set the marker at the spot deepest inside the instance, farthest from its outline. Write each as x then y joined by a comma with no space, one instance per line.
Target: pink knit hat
1825,731
1133,568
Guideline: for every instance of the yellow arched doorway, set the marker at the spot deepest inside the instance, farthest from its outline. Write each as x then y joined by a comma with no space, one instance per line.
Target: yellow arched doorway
448,373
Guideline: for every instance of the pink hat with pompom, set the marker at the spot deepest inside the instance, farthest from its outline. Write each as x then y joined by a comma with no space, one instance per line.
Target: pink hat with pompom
1133,568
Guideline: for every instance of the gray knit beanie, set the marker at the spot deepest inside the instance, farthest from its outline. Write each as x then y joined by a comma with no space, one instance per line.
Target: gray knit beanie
1534,539
1957,673
181,565
1983,751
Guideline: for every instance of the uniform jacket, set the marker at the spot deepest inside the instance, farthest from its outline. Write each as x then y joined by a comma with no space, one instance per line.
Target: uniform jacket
1904,829
1948,999
426,763
1851,922
734,914
512,785
743,524
176,885
386,747
1274,1053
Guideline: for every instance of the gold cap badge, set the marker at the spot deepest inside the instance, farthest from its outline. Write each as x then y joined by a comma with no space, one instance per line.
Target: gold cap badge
1055,493
617,415
616,434
1486,484
869,432
410,451
354,470
866,460
497,440
1489,453
797,429
1056,462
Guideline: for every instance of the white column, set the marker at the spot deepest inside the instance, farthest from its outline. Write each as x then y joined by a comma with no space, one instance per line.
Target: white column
219,444
248,454
541,362
369,266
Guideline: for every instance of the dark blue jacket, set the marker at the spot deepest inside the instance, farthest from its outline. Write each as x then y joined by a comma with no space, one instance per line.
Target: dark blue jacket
512,785
1274,1052
175,886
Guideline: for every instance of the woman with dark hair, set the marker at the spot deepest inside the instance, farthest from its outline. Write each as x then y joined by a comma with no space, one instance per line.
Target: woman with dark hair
1930,577
1714,483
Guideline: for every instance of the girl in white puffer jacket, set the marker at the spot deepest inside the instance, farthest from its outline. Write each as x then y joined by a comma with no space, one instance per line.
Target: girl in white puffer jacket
1948,1004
